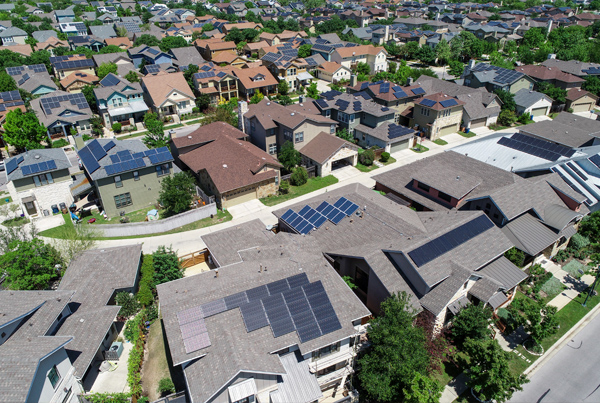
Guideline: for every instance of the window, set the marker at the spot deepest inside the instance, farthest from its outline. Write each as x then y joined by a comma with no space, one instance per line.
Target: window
424,112
3,335
54,376
423,186
162,170
445,113
333,348
444,196
332,129
272,148
299,137
488,205
272,132
328,113
43,179
287,135
118,182
342,117
123,200
136,175
291,72
352,118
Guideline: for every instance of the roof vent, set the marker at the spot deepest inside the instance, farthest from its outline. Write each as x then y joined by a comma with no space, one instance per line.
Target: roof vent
224,165
189,137
301,104
37,157
458,178
292,113
268,103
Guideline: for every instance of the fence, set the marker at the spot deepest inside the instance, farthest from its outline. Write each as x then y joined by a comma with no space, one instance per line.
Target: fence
158,226
205,198
312,172
194,258
178,397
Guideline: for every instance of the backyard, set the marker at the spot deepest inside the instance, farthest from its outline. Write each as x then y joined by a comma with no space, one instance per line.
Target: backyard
156,364
313,184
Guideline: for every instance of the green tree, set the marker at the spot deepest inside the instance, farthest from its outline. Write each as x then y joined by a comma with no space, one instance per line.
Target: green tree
146,39
166,386
539,321
128,303
304,50
363,68
289,156
167,266
23,130
422,389
203,101
590,227
299,176
397,351
223,113
110,49
155,137
367,157
285,100
443,52
30,265
121,32
97,125
7,83
257,97
489,374
507,99
516,256
88,93
312,91
105,68
534,37
344,135
188,74
132,77
283,88
456,68
559,95
176,193
507,118
426,55
171,42
472,322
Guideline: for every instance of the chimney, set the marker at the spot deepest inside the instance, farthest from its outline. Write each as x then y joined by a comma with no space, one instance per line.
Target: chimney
301,99
353,80
386,36
242,109
409,81
549,28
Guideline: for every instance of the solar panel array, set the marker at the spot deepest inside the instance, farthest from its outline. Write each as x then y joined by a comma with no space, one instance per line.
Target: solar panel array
342,104
152,68
10,96
13,164
271,57
322,103
308,218
74,64
363,94
110,80
124,166
418,91
50,103
449,102
539,148
428,102
15,71
205,74
287,305
39,167
329,95
450,240
384,88
507,76
399,92
595,159
395,131
162,155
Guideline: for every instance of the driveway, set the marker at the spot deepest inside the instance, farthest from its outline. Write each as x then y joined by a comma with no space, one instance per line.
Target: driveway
247,208
323,86
345,173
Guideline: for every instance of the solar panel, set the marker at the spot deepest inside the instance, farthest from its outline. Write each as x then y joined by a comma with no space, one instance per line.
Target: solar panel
428,102
575,169
11,165
193,328
277,287
96,150
196,343
26,170
115,159
190,315
595,159
88,160
418,91
322,103
110,80
254,316
214,307
235,300
448,103
298,280
384,88
109,145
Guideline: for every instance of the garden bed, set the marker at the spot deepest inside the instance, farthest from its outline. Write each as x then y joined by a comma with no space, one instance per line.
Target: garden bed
15,222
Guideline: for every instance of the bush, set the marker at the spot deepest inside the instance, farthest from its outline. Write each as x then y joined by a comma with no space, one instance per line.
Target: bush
145,293
573,268
195,109
367,157
86,137
284,187
524,118
561,256
299,176
151,313
60,143
506,118
128,303
166,386
385,157
516,256
552,287
579,242
116,127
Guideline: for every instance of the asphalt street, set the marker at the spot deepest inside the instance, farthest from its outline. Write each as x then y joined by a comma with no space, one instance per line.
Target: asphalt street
572,375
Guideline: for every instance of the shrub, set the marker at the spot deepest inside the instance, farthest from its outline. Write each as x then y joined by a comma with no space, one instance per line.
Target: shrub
145,293
299,176
116,127
516,256
284,187
552,287
573,268
143,399
507,118
151,313
561,256
524,118
579,241
166,386
385,157
60,143
367,157
86,137
128,303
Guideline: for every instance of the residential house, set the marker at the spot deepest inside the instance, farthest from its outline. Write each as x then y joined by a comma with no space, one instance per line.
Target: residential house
66,65
333,72
375,58
51,44
153,69
9,101
66,15
437,115
361,18
123,43
388,94
289,68
255,79
23,50
39,180
13,35
284,37
538,215
489,33
120,101
62,112
552,76
103,32
125,174
238,9
148,55
89,42
580,100
183,57
566,129
241,26
233,170
107,19
217,82
532,102
123,62
495,78
168,94
44,35
73,28
210,48
75,82
33,79
575,67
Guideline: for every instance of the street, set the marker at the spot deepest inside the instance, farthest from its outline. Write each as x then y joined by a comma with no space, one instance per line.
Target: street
571,375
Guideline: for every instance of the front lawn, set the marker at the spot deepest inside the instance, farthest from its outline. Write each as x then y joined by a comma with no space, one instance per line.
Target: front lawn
134,216
365,168
5,199
440,142
419,148
467,135
295,191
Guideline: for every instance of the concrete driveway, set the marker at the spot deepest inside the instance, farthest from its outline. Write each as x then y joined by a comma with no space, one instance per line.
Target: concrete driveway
323,86
247,208
345,173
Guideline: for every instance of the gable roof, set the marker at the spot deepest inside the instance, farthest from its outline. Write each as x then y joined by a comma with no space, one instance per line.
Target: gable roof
159,86
323,146
246,77
207,133
525,97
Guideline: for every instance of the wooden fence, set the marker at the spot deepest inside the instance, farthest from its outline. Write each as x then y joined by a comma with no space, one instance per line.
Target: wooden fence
194,258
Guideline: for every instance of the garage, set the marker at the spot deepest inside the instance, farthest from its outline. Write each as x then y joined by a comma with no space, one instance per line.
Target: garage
448,130
583,107
238,197
475,123
399,146
539,111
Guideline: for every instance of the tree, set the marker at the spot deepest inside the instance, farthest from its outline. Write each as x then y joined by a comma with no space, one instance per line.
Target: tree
121,32
489,374
283,88
7,83
146,39
203,101
443,52
97,125
155,138
507,99
516,256
257,97
507,118
312,91
30,265
422,389
472,322
363,68
437,343
167,266
223,113
397,351
299,176
590,227
304,50
166,386
539,321
132,77
171,42
116,127
534,37
105,68
425,54
188,74
285,100
456,68
344,135
288,156
23,130
88,93
128,303
559,95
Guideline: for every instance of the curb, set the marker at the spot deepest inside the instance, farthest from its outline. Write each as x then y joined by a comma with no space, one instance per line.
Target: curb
562,341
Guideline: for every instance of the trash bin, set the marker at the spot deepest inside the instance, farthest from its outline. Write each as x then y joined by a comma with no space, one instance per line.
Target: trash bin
46,213
55,209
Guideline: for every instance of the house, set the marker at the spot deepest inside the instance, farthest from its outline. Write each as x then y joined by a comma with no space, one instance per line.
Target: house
270,359
51,44
89,42
23,50
289,68
218,82
580,100
107,19
66,15
233,171
495,78
241,26
183,57
333,72
125,174
73,83
149,55
350,56
123,43
238,9
103,32
13,35
437,115
387,94
168,94
73,28
276,39
532,102
9,101
154,69
575,67
66,65
566,129
538,215
251,49
33,79
62,113
255,79
123,62
210,48
44,35
552,76
120,101
39,181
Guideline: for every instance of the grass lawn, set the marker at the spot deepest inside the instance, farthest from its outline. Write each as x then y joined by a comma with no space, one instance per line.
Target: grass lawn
467,135
174,126
364,168
496,128
3,199
440,142
15,222
131,136
193,122
419,148
295,191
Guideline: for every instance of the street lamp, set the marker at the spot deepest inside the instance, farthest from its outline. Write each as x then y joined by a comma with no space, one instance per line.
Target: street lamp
593,285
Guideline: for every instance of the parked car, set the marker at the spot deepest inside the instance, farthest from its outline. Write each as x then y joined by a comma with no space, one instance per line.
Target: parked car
2,167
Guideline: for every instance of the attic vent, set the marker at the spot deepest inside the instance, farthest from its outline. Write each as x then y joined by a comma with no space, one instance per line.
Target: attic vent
189,137
224,165
37,157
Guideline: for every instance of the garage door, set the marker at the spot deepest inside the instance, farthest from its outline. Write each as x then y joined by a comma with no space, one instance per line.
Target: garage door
448,130
582,107
478,123
539,111
401,145
233,200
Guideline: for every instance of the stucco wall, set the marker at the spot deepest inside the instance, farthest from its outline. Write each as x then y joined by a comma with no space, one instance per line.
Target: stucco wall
42,390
